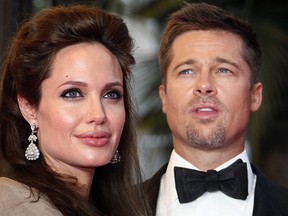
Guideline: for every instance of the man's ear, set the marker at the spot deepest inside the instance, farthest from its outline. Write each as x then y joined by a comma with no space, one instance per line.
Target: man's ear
28,111
162,94
256,96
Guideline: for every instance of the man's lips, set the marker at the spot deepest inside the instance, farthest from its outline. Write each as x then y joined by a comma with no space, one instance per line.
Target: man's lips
205,108
96,139
205,111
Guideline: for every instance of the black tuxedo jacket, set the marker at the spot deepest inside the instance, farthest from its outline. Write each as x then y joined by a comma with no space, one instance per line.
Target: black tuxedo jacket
270,199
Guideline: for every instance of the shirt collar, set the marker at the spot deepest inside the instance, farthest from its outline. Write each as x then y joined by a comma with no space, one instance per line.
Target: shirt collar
177,160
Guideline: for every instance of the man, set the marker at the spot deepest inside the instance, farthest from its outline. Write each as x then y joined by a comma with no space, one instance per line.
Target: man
210,62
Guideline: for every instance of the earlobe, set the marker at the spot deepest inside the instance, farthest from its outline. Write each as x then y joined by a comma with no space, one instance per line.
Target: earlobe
162,94
27,110
256,96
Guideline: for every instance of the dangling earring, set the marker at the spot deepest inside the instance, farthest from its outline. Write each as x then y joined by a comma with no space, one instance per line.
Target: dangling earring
116,158
32,152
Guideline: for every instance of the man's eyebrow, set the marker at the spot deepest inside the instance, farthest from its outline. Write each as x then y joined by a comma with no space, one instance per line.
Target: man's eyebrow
217,59
186,62
223,60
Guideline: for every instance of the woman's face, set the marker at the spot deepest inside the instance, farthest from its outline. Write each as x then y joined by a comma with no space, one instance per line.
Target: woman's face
81,113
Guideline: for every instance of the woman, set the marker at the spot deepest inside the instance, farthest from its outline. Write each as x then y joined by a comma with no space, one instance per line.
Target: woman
65,87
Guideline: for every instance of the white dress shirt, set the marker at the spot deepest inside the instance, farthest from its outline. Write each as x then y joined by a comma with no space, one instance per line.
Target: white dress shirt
210,203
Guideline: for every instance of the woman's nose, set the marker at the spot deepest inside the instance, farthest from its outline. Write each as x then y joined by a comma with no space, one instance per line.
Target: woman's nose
95,112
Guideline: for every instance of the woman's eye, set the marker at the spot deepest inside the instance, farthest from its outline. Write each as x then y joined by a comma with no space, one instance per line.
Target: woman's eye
72,93
112,95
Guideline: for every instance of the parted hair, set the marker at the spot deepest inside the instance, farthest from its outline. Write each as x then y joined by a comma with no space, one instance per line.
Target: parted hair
26,63
203,16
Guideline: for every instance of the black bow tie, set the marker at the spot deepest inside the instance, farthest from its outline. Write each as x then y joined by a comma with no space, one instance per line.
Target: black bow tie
232,181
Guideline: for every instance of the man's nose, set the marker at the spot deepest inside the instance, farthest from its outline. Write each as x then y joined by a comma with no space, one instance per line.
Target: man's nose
205,85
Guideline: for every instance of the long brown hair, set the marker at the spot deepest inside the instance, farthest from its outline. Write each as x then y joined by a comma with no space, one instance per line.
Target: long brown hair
115,189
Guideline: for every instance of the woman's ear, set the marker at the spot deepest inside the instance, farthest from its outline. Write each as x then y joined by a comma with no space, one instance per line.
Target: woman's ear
28,111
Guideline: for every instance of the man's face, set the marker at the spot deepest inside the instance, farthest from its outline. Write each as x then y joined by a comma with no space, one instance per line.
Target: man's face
208,95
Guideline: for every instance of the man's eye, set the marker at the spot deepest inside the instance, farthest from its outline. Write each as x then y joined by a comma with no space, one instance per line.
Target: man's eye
186,71
72,93
224,70
112,95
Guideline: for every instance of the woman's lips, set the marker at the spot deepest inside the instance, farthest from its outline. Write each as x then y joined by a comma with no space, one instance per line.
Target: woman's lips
96,139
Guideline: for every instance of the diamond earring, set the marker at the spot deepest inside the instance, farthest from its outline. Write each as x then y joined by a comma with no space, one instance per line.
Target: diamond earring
116,158
32,152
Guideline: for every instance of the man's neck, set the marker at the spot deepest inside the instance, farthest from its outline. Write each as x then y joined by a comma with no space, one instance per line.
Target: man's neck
207,159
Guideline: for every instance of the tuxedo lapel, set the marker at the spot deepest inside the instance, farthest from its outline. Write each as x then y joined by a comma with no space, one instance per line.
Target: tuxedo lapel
152,187
270,198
